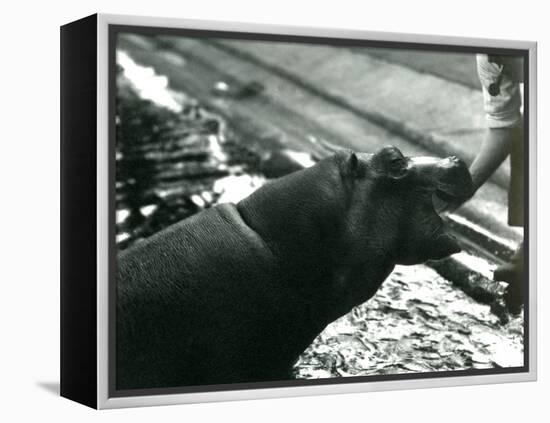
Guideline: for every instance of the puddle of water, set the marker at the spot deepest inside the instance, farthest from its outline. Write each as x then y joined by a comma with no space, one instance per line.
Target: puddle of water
148,84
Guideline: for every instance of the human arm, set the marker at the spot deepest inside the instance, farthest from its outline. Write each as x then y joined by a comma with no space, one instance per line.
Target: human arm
495,148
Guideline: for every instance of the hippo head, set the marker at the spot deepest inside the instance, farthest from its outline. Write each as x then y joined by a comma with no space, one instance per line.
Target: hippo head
391,201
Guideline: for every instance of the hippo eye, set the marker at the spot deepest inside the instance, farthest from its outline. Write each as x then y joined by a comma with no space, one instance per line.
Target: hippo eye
390,162
397,168
397,163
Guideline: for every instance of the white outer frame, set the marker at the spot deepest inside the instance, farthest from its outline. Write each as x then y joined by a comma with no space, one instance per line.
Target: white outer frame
103,400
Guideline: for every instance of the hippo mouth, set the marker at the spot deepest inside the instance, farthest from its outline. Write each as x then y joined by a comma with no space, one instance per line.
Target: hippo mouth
455,193
453,181
445,200
453,184
447,197
442,242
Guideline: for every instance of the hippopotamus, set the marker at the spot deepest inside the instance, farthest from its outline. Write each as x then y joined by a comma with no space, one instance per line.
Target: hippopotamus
237,292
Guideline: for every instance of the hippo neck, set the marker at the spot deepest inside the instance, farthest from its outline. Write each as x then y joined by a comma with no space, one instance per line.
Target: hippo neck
297,213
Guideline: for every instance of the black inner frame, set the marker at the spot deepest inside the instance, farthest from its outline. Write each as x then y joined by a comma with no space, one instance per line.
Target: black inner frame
114,30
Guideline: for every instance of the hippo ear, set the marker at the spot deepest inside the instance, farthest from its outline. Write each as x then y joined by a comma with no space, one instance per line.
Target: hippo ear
391,163
353,162
353,165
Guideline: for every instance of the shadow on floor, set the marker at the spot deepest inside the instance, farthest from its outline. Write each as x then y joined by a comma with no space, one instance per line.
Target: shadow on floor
51,387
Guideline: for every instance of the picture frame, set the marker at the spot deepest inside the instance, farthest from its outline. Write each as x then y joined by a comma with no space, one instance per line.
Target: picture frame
90,241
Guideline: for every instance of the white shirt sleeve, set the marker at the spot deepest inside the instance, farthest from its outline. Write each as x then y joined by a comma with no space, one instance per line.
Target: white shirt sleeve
504,109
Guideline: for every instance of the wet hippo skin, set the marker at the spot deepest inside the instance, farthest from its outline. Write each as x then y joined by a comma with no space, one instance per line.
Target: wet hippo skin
237,292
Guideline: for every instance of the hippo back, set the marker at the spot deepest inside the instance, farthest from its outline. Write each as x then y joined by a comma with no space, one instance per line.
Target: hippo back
192,298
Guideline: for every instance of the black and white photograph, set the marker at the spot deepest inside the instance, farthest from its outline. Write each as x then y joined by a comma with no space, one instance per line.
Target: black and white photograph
290,211
297,210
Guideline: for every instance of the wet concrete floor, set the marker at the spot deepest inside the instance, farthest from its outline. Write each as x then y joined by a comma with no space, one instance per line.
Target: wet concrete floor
417,322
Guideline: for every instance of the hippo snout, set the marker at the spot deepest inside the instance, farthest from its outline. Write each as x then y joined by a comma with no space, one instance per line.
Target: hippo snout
449,178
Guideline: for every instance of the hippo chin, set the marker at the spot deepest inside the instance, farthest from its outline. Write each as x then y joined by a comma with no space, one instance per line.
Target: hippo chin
237,292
